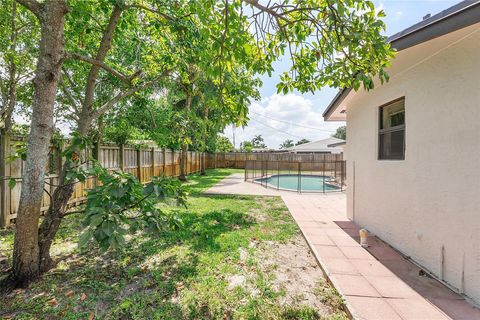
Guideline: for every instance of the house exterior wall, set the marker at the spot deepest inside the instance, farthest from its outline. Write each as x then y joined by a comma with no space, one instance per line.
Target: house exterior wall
428,205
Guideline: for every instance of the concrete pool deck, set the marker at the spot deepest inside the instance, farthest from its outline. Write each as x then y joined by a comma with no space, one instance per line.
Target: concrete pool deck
378,283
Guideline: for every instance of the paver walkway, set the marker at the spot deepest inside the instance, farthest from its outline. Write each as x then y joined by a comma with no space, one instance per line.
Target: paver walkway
378,283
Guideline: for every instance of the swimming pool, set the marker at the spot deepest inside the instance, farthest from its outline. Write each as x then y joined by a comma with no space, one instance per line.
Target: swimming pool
306,183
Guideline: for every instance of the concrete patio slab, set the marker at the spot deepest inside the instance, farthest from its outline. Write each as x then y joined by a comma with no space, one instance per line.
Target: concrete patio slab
376,283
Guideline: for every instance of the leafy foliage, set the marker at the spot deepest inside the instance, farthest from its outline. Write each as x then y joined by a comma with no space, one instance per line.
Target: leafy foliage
18,39
223,144
121,205
258,142
286,144
246,146
122,131
302,141
341,133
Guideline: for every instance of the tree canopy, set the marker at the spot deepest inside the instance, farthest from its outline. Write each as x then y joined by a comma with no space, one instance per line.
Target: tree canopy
341,133
302,141
286,144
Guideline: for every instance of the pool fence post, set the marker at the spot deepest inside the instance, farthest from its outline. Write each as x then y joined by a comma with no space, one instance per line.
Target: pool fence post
245,173
299,177
278,175
335,168
341,175
323,165
266,176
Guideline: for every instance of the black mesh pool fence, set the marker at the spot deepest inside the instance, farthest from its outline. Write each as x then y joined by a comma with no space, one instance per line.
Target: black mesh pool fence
299,176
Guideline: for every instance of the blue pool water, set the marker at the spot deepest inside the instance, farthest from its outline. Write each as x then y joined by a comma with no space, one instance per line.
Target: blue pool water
308,183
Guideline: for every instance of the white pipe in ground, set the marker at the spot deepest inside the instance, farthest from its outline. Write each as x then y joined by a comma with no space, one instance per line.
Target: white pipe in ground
363,238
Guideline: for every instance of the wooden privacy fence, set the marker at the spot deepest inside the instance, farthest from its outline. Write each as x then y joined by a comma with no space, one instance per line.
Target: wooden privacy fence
238,159
144,163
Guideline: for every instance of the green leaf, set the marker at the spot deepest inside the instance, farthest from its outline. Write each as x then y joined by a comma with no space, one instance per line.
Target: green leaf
12,182
96,220
84,238
108,226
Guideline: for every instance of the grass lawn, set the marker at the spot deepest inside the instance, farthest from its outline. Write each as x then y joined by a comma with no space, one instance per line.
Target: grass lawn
236,257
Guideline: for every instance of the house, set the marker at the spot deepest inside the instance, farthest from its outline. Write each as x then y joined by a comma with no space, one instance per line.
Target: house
414,147
320,146
262,149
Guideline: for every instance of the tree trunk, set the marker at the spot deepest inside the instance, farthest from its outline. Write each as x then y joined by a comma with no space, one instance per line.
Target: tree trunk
26,260
57,209
63,193
183,163
202,158
53,217
183,154
202,164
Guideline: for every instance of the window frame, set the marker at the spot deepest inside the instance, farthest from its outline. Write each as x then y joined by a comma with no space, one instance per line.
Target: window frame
384,131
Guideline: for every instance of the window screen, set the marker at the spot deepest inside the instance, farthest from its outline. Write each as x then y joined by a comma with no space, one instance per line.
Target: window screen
391,141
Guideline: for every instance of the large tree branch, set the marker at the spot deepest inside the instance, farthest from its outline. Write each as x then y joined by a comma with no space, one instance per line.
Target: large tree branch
70,97
107,106
269,10
70,80
104,47
104,66
139,6
33,5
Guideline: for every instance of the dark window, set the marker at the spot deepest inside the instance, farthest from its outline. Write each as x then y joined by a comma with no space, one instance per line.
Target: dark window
391,140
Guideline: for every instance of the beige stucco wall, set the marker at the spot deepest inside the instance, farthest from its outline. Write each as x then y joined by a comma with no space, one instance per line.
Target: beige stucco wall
431,200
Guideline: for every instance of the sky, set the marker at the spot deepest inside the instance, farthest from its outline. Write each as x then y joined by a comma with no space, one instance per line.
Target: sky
295,116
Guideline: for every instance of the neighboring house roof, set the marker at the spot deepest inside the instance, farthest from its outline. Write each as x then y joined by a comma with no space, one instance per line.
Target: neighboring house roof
261,150
454,18
317,146
338,144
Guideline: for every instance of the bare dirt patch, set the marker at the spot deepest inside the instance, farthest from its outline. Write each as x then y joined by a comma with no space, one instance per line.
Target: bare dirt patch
292,270
296,272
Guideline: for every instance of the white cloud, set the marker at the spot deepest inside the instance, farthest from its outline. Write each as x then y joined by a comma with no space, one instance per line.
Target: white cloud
281,117
398,15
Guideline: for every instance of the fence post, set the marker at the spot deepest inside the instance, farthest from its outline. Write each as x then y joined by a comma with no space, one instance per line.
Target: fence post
139,164
96,156
60,161
164,151
174,166
122,157
300,177
324,164
4,208
153,163
245,173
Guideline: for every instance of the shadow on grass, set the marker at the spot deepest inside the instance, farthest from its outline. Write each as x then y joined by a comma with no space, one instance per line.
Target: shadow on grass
201,232
176,254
